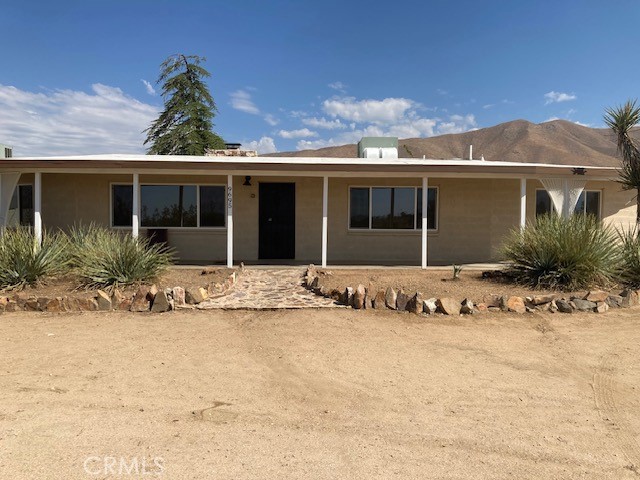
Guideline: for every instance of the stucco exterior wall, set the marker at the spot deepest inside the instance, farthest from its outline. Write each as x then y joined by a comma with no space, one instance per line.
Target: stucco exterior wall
473,217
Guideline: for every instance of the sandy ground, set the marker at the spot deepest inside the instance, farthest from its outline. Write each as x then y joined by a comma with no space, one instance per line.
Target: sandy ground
320,394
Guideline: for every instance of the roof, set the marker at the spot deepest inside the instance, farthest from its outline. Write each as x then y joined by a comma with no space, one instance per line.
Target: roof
294,165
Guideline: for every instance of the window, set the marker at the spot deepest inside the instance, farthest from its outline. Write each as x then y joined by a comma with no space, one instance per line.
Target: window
170,205
588,203
8,152
390,208
21,206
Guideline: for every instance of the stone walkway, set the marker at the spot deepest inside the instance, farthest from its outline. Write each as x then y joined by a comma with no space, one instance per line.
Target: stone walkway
266,289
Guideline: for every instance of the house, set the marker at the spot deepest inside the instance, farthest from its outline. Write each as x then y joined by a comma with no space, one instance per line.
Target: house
371,209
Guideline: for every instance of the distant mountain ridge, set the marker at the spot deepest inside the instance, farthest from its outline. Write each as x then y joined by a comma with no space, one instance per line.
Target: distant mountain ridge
558,141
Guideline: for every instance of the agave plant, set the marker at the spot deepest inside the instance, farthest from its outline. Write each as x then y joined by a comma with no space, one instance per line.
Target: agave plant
630,245
25,262
564,253
107,258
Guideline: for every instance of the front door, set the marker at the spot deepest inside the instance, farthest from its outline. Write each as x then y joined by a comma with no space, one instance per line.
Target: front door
277,212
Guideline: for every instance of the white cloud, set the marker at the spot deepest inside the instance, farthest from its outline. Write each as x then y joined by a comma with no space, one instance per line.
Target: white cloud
457,124
241,100
301,133
67,122
551,119
264,145
387,111
271,120
148,87
339,86
324,123
557,97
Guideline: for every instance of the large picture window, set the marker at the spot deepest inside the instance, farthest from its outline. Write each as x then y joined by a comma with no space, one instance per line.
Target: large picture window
21,206
391,208
187,206
588,203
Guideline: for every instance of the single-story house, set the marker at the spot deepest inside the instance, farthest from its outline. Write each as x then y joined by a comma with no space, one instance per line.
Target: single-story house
367,210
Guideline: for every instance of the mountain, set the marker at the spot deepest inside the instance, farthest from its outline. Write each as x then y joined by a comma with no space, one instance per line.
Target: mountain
558,141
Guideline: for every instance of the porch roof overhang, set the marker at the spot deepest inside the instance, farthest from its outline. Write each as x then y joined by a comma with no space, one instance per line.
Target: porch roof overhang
297,166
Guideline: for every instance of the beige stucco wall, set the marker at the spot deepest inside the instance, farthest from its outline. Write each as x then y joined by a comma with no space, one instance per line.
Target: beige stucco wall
473,217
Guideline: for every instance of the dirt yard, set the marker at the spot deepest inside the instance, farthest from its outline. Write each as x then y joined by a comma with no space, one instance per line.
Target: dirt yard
432,283
314,394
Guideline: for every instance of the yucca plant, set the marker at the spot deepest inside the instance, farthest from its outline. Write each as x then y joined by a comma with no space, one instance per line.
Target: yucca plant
563,253
630,264
107,258
24,262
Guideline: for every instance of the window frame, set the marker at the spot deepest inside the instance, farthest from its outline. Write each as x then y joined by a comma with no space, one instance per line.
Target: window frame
17,189
197,185
599,191
413,230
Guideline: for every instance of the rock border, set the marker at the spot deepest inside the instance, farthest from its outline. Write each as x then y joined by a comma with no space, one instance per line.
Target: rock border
145,299
596,301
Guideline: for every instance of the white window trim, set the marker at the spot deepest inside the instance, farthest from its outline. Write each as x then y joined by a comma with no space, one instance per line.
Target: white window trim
187,229
414,230
553,208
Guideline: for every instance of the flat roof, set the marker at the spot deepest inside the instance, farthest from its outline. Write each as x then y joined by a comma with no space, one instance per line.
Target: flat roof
237,165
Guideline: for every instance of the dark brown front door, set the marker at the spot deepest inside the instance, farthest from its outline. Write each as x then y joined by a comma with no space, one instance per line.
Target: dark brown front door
277,212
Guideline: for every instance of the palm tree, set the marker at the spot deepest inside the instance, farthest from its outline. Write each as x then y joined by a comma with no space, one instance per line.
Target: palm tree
621,120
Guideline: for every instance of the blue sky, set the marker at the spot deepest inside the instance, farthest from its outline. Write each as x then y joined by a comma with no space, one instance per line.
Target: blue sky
79,76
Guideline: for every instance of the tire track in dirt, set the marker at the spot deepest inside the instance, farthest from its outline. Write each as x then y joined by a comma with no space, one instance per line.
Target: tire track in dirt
605,392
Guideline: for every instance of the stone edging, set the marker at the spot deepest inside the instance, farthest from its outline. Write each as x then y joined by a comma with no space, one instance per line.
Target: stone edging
597,301
145,299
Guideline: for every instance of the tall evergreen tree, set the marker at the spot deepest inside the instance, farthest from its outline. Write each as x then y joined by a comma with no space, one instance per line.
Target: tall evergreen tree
621,120
185,125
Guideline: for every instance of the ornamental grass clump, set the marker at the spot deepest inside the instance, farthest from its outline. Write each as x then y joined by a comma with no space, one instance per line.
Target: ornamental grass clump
564,253
107,258
23,262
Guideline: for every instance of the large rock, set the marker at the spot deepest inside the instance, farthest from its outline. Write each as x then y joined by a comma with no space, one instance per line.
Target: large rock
368,300
104,301
601,307
379,301
564,306
542,299
193,296
596,296
491,300
87,304
359,297
178,296
614,301
430,306
516,304
56,305
629,298
390,297
140,301
466,307
416,304
402,300
448,306
347,297
117,297
160,303
584,305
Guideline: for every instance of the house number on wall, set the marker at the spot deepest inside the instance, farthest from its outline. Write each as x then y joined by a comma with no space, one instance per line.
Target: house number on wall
229,197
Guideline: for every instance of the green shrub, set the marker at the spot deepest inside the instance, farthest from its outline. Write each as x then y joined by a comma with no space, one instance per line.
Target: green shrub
630,246
565,253
23,263
102,257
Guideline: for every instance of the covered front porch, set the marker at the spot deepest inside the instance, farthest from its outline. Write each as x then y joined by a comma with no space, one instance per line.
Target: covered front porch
287,211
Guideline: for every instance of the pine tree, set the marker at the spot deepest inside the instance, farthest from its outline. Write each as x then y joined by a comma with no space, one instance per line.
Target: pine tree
185,125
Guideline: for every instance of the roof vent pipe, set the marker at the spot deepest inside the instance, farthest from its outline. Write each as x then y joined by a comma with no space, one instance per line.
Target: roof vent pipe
470,152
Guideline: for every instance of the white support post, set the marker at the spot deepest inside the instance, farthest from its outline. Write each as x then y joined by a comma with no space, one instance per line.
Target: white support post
229,221
565,198
425,203
37,207
325,208
523,203
135,218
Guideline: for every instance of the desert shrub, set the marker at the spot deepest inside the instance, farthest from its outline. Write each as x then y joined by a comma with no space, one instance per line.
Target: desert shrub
23,262
564,253
104,258
630,264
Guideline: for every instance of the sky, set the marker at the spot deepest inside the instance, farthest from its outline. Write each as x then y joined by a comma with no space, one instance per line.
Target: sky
79,76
